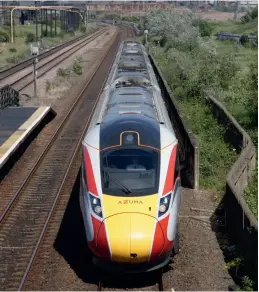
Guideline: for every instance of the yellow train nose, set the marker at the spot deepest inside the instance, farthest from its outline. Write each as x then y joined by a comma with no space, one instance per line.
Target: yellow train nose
130,236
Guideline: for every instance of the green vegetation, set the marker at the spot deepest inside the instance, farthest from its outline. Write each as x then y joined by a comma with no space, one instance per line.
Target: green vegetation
30,37
77,67
247,284
250,28
196,64
4,37
83,29
250,15
12,50
202,65
133,18
216,157
237,267
250,193
63,72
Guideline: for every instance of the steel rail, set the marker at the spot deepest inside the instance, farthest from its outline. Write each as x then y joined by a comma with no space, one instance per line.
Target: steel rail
73,50
27,62
16,195
78,147
76,46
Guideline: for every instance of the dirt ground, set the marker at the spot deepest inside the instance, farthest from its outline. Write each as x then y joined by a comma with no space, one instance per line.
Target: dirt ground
212,14
216,15
51,87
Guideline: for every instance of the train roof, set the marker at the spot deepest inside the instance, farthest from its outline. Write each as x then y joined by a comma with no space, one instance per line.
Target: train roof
131,100
113,132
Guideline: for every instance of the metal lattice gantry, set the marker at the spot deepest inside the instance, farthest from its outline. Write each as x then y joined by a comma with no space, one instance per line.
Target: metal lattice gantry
46,18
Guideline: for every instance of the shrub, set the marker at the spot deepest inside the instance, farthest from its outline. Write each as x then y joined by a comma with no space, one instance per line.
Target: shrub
205,28
4,37
227,70
12,50
83,29
48,86
174,26
44,33
77,68
163,41
13,59
63,72
71,31
79,59
30,37
244,39
250,15
254,13
62,34
248,284
22,55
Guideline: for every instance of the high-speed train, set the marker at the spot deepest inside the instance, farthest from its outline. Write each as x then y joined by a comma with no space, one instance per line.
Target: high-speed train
130,189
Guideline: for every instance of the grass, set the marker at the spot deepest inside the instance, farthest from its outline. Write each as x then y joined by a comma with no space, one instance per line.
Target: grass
251,193
236,27
216,157
237,99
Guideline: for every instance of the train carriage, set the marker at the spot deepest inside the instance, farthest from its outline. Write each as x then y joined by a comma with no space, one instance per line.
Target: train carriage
130,189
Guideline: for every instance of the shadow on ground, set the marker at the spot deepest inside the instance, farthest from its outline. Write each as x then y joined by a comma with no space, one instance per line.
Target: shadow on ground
72,245
71,241
240,262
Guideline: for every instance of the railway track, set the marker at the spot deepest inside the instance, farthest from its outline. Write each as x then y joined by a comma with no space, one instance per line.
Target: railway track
104,282
25,219
30,223
129,281
76,248
4,73
21,75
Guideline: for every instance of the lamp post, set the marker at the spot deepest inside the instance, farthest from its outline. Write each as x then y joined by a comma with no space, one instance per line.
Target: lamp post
36,21
35,53
146,33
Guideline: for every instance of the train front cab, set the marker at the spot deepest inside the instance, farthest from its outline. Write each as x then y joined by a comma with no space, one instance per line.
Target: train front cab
131,226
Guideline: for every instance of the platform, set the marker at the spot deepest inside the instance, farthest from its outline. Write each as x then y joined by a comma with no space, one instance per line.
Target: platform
18,126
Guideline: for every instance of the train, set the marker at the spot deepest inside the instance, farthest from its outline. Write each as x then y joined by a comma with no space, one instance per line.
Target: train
130,185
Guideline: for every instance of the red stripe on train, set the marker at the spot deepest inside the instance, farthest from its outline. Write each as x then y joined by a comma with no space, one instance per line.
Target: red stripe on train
90,181
99,245
169,181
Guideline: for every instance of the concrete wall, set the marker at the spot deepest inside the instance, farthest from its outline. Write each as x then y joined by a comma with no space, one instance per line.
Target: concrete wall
240,174
240,221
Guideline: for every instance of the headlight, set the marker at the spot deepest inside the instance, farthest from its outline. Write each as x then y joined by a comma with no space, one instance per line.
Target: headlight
164,205
96,206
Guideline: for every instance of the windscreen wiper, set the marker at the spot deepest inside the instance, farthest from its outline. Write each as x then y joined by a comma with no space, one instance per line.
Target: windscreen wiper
122,187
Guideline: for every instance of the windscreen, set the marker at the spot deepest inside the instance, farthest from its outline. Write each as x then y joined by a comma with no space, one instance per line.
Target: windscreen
130,172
